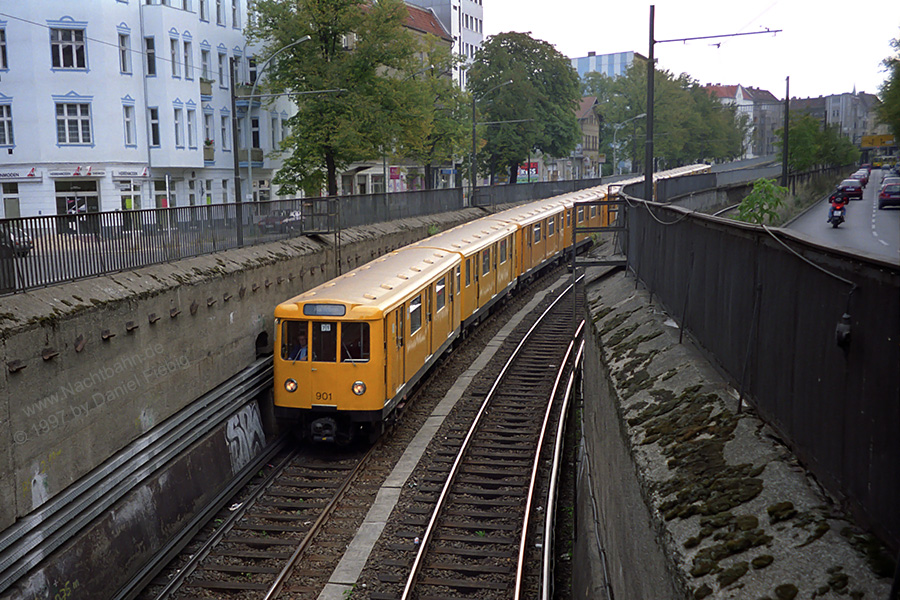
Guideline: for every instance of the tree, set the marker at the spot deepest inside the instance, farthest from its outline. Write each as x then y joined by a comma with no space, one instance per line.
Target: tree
534,112
889,110
444,122
355,46
689,124
763,202
810,144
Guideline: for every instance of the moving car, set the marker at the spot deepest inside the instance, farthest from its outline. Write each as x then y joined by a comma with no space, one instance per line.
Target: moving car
889,195
863,176
889,180
15,239
851,188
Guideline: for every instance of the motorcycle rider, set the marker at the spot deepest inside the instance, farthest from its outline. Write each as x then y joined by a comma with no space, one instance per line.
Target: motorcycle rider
838,200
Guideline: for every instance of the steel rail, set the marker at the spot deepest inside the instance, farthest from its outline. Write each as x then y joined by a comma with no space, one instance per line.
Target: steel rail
176,582
136,584
304,544
536,465
548,550
34,537
454,469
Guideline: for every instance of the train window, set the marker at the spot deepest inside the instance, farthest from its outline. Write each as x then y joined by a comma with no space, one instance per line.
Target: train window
568,218
551,226
502,251
293,340
440,294
458,286
415,314
580,214
593,211
486,261
324,341
324,310
537,233
354,342
468,276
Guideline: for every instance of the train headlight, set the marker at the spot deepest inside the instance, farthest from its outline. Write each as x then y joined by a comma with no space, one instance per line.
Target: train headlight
290,385
359,388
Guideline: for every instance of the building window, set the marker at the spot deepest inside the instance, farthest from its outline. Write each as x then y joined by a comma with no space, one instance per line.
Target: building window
285,131
6,125
3,63
128,122
235,14
224,191
207,190
208,131
154,126
254,132
225,136
10,193
191,128
220,12
240,142
73,124
150,51
179,139
251,69
223,68
124,53
204,64
173,56
204,10
275,132
188,61
67,49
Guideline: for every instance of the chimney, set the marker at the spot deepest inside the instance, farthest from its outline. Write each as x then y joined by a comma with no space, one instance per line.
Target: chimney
594,54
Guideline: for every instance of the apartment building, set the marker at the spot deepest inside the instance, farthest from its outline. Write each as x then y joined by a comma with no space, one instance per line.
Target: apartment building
126,104
464,20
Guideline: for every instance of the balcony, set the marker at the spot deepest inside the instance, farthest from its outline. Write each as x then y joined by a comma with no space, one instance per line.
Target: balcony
256,154
206,88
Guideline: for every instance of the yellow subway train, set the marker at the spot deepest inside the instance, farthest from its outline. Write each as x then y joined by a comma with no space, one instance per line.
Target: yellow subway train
348,351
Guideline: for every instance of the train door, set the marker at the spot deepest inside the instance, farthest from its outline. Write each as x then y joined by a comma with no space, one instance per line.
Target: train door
393,332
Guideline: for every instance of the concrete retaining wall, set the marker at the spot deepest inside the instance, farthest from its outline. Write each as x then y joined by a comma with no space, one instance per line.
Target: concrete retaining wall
92,365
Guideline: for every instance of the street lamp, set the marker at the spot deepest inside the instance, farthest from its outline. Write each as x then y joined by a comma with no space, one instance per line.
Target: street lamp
259,71
474,149
616,129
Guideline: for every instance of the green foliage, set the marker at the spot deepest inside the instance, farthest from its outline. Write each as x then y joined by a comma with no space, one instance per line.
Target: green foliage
763,202
331,130
809,144
541,100
889,109
689,125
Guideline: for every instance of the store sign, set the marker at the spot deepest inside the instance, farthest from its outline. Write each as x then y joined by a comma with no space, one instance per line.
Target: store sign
19,175
528,172
79,171
132,173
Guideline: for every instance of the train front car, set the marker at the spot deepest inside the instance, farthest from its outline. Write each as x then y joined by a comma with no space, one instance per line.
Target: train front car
346,350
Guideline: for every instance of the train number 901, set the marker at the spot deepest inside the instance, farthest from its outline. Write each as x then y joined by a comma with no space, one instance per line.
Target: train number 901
323,396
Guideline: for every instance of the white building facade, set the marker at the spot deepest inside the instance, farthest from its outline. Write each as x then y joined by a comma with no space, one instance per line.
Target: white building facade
464,19
125,104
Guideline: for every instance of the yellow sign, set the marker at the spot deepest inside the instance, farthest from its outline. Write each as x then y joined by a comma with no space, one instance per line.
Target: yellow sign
877,141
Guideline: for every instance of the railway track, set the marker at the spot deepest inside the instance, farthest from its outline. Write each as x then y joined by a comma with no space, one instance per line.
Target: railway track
486,507
254,550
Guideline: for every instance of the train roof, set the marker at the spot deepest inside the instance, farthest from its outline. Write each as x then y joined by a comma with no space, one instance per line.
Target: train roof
377,286
468,238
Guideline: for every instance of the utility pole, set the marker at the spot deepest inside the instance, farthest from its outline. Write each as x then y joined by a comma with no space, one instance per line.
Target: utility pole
238,204
787,122
648,145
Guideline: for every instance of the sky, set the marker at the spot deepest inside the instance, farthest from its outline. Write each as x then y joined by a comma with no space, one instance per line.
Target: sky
826,46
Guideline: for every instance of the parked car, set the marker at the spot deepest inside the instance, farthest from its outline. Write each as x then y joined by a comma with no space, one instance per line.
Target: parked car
273,222
851,189
867,167
15,239
863,176
889,195
293,221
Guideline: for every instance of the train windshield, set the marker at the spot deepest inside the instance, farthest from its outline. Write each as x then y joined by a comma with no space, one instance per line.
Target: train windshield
294,340
354,342
324,341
